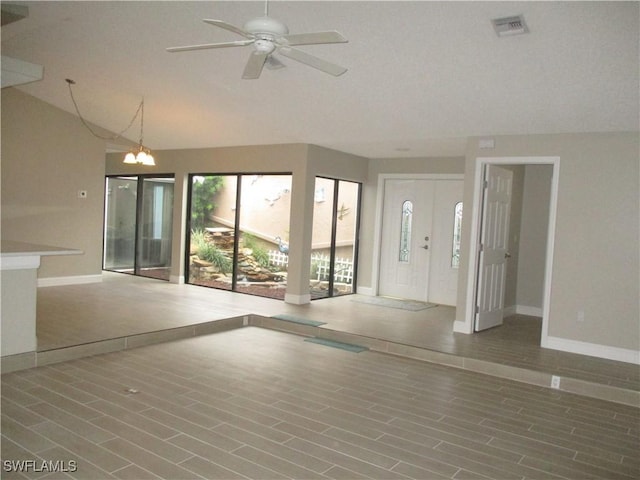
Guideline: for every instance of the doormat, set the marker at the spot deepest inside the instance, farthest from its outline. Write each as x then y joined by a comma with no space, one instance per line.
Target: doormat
332,343
411,305
294,319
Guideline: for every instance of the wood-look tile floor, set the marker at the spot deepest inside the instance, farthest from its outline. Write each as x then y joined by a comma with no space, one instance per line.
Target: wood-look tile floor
256,403
124,305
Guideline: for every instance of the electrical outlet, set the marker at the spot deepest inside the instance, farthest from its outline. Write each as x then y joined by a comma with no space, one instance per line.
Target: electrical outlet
580,317
82,194
555,381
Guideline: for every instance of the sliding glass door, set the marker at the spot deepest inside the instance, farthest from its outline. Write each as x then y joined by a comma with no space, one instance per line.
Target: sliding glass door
238,232
335,234
138,225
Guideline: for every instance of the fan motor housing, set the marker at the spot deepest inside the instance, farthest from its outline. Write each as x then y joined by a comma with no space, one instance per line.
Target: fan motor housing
266,25
264,46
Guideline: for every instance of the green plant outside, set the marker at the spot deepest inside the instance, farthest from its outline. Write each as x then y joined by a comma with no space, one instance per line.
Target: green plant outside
198,238
212,254
260,253
202,204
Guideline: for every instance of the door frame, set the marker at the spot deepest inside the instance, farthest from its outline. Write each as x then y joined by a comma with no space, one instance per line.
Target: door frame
377,239
473,250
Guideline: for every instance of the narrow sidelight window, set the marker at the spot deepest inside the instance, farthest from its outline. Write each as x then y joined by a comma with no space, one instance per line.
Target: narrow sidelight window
457,232
405,231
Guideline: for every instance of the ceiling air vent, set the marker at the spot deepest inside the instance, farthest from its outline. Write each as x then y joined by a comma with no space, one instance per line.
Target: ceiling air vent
508,26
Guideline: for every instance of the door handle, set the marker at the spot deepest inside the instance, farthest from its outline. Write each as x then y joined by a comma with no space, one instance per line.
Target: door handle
507,255
426,247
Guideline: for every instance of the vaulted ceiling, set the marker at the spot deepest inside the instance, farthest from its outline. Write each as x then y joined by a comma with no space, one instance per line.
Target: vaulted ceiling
422,75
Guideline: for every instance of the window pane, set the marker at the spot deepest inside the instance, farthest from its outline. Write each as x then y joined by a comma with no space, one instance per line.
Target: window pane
263,253
212,236
321,239
333,249
457,234
405,231
155,228
120,224
345,248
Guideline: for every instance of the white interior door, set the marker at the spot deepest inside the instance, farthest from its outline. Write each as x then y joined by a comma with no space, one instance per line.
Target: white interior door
494,237
406,233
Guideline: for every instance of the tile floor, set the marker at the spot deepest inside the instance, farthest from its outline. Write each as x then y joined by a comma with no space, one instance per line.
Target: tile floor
124,305
256,403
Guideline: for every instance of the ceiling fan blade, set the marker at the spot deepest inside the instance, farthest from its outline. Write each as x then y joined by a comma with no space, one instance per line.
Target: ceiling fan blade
312,61
228,26
254,66
206,46
313,38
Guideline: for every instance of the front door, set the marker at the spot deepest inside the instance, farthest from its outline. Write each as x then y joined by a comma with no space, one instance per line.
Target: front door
494,242
406,235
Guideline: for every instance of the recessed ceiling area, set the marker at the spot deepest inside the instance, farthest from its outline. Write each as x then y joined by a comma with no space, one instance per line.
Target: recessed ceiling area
422,76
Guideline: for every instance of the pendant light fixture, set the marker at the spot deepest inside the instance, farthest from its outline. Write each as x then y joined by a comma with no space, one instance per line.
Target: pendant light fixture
140,155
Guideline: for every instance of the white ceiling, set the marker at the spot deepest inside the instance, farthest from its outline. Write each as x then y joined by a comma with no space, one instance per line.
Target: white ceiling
422,75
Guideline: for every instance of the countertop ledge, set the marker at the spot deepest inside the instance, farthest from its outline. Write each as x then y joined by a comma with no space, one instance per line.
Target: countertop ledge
10,248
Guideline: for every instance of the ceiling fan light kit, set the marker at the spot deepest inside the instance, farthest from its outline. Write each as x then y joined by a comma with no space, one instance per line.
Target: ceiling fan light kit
269,36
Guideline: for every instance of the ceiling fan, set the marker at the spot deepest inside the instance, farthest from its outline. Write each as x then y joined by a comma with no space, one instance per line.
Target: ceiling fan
268,36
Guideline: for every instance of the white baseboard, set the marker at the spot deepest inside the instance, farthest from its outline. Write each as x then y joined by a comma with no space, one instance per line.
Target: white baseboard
462,327
530,311
297,299
592,349
72,280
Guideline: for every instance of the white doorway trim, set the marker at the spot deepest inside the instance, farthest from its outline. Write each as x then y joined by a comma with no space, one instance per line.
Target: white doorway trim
481,162
377,240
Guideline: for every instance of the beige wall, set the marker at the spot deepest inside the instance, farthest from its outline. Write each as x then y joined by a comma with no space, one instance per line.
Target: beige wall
533,236
47,156
596,256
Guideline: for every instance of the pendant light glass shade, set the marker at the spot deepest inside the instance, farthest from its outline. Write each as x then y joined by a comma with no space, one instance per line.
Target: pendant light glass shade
141,156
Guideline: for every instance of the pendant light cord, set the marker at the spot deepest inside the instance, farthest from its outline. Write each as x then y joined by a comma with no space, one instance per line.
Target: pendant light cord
93,132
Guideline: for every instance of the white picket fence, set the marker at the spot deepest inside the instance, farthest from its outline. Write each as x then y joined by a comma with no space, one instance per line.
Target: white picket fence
277,258
343,267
